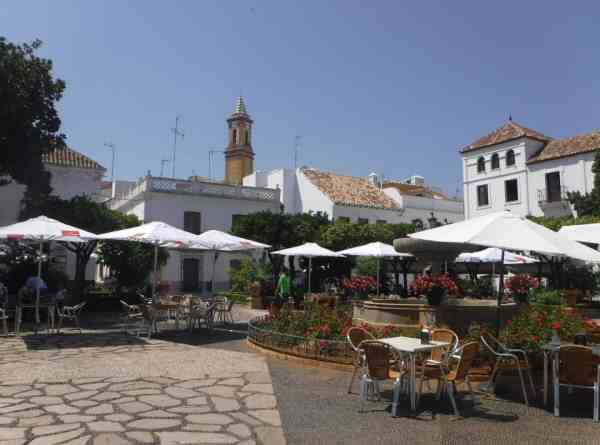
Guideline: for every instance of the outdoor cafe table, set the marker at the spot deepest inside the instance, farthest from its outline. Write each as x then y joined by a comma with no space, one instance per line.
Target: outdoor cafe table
550,351
411,347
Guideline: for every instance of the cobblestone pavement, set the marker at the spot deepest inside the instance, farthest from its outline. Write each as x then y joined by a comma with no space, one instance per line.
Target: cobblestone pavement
116,389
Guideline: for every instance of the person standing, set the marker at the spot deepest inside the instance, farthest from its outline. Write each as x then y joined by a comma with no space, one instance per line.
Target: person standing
283,286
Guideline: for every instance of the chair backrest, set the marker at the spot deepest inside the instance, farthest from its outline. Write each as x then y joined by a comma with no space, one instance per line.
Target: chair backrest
467,354
492,343
378,356
79,307
577,365
230,303
356,336
445,335
148,312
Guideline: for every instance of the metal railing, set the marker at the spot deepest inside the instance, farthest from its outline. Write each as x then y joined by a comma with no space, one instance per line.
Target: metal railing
166,185
337,351
545,195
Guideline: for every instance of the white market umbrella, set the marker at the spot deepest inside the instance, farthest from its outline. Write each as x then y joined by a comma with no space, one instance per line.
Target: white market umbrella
218,241
584,233
310,251
509,231
376,250
159,234
40,230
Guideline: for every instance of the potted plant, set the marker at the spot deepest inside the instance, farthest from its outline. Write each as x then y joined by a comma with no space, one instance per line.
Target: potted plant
520,286
434,288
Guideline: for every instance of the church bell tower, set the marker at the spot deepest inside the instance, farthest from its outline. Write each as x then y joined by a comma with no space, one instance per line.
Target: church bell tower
239,156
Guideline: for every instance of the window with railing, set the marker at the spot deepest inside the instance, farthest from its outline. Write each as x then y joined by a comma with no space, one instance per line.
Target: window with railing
511,190
483,198
553,187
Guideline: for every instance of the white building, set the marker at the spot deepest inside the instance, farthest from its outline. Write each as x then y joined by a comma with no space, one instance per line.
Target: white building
522,170
196,206
72,174
358,199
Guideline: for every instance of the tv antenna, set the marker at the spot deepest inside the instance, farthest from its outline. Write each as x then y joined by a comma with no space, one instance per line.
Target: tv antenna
296,146
176,133
111,146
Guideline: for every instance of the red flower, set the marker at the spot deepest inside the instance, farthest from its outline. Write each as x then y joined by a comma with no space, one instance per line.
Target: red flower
556,325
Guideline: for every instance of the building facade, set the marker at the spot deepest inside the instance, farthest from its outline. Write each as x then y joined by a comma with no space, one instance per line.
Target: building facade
519,169
357,199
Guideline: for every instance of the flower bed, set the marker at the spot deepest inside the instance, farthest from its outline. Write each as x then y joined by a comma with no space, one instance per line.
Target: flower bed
317,332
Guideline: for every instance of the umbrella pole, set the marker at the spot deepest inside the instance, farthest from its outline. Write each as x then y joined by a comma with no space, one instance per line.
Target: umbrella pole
212,279
154,299
378,276
37,291
500,293
309,273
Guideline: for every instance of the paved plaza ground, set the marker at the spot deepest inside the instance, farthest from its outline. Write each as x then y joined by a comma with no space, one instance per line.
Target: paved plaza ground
104,387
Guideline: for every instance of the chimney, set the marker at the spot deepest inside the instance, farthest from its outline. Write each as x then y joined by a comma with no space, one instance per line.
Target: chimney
373,179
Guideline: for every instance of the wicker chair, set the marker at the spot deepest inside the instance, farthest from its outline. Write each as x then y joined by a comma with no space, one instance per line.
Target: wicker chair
380,360
70,313
577,367
223,311
131,315
456,370
355,337
508,359
150,317
4,307
200,313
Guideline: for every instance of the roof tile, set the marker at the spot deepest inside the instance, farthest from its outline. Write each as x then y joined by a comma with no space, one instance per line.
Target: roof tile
349,190
67,157
507,132
559,148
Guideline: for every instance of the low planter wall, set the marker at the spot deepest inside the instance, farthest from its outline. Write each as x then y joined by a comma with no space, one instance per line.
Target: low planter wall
457,314
332,351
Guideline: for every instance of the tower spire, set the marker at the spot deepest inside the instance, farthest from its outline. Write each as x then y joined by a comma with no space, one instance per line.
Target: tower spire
239,155
240,106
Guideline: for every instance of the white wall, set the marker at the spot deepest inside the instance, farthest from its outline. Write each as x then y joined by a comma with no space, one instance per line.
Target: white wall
495,179
216,213
420,207
310,198
354,213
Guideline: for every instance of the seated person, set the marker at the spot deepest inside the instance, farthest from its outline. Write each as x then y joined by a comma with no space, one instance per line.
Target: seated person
34,283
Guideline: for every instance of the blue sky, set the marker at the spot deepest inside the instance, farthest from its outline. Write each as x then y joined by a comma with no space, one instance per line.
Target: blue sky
391,87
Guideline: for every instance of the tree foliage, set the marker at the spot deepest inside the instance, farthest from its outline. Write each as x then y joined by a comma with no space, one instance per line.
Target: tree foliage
588,205
29,122
556,223
131,262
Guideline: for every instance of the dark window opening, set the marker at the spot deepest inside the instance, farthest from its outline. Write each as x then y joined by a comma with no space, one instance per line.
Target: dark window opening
480,165
495,161
192,222
482,195
510,158
553,187
511,190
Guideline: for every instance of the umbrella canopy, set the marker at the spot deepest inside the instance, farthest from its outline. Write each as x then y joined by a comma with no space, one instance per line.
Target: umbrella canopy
506,230
42,229
377,250
225,242
584,233
494,255
310,251
159,234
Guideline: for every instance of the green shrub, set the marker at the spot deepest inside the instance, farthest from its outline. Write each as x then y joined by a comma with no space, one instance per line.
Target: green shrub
547,297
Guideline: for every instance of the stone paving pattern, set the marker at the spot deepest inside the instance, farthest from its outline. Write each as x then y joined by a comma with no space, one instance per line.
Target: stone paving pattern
130,402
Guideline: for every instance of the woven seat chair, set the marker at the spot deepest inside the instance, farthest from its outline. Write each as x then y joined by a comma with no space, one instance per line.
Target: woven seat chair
4,307
223,311
150,317
355,337
131,315
456,370
380,361
200,313
577,367
508,359
70,313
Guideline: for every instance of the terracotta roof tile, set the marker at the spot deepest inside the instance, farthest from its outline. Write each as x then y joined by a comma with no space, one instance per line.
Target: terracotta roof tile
559,148
507,132
349,190
414,190
67,157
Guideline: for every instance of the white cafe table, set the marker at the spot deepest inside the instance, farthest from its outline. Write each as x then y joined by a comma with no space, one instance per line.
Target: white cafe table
411,347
